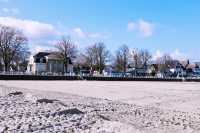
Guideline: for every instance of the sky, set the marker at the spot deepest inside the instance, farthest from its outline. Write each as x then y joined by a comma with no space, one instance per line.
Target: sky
161,26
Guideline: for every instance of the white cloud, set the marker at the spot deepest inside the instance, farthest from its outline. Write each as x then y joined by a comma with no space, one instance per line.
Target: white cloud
82,34
79,32
40,48
144,28
13,11
43,35
39,30
32,29
176,55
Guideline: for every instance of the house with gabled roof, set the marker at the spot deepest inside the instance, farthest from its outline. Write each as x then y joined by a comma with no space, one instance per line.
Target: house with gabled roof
48,62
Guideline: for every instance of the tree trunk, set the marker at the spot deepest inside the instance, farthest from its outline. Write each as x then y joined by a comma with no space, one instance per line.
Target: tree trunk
6,67
101,71
64,68
124,67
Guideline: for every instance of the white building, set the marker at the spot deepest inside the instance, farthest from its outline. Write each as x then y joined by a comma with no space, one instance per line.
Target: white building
48,62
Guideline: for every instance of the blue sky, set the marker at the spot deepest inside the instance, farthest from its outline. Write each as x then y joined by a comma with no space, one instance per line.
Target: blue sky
170,26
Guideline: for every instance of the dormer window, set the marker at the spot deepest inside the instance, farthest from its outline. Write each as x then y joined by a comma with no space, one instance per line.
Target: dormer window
42,60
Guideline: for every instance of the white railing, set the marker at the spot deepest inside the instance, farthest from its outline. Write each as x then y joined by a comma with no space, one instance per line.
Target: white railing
85,75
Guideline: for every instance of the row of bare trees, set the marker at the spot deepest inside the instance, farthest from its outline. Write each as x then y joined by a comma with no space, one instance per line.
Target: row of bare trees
97,56
125,58
94,57
14,53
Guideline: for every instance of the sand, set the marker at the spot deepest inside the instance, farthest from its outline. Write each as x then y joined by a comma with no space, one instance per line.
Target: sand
143,107
183,96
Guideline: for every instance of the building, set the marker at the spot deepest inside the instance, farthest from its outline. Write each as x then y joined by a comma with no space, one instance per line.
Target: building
140,71
185,68
177,69
48,62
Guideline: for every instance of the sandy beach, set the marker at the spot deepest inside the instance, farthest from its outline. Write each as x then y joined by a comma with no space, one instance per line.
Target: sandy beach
84,106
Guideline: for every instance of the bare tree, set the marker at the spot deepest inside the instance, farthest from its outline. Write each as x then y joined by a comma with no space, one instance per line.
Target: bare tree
122,58
21,60
12,44
136,58
97,56
90,56
164,63
102,56
80,63
67,51
145,56
1,61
